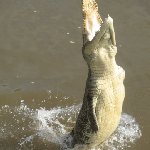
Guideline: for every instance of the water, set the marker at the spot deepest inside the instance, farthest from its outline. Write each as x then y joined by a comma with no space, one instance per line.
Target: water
40,53
41,127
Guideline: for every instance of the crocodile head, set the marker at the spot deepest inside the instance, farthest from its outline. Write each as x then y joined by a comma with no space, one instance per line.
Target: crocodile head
98,35
92,20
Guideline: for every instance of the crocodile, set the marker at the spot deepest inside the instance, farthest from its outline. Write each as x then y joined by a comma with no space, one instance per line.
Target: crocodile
104,94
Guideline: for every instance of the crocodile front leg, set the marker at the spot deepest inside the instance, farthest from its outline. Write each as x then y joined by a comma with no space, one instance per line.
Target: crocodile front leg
91,102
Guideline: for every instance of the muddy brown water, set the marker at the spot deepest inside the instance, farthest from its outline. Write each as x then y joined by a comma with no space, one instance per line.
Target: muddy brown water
41,64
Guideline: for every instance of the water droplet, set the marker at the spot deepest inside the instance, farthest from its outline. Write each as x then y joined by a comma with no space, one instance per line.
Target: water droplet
32,82
22,101
72,42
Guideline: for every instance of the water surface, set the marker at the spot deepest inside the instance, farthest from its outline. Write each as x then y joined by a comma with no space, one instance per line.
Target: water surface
40,47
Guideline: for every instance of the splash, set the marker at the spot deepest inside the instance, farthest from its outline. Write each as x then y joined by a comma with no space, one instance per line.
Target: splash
54,125
57,122
127,133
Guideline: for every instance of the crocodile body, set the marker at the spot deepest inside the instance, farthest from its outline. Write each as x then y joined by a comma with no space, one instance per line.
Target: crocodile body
104,92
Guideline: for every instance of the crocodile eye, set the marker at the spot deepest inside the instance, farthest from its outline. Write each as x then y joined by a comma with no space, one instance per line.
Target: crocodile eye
112,51
106,35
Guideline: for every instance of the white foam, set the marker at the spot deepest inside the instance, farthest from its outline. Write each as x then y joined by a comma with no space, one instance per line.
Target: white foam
53,126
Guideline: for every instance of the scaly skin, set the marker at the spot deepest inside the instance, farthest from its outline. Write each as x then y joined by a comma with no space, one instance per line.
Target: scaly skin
104,93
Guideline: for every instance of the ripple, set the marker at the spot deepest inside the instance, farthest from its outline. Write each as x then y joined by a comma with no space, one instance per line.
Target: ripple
53,126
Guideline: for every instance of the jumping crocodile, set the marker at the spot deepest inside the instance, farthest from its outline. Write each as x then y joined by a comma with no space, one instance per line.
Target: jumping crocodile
104,92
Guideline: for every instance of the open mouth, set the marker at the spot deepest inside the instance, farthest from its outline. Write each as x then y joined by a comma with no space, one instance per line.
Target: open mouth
92,22
91,19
